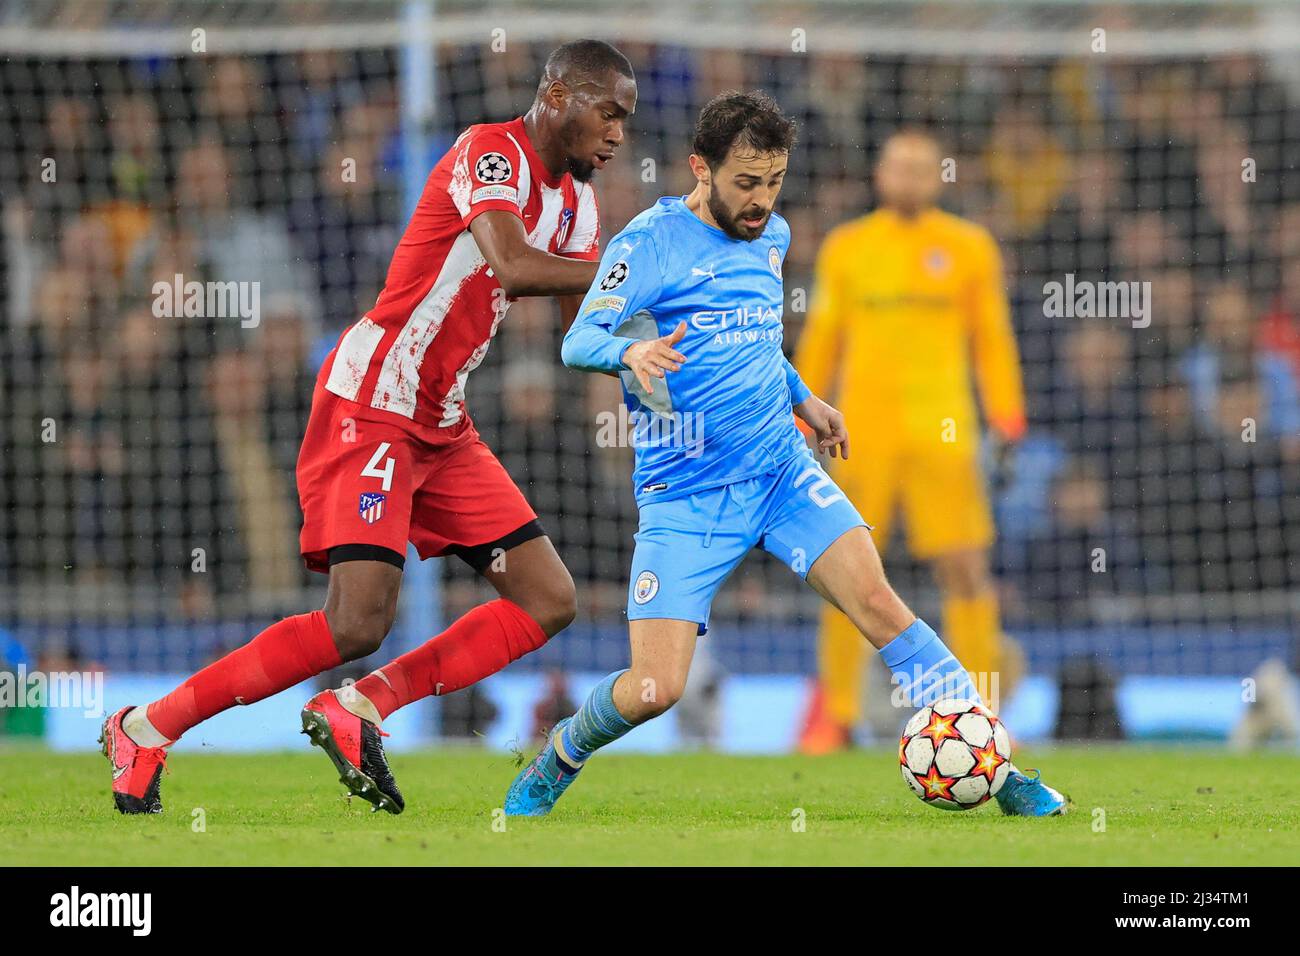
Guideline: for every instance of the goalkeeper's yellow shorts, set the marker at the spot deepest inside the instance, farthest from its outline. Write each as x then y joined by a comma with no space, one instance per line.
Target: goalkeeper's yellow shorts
938,488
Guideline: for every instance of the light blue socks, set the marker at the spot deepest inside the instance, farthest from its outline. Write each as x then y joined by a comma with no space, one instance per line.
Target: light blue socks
596,724
924,669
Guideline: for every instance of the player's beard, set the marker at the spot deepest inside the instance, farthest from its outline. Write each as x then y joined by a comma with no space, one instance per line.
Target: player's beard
571,138
581,170
728,220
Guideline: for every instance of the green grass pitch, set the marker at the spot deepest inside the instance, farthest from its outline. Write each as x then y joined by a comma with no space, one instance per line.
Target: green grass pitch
1132,806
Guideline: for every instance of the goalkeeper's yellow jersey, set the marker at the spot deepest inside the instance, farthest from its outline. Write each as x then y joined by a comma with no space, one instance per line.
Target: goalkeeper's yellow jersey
903,315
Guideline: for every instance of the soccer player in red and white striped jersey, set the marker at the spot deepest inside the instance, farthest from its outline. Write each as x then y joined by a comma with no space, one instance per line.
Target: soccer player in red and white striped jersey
390,453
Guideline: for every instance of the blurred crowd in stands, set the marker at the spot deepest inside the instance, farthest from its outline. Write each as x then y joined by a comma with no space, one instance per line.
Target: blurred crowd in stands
137,447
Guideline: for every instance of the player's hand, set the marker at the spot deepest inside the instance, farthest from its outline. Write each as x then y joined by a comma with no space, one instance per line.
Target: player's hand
1004,436
828,424
650,359
1002,463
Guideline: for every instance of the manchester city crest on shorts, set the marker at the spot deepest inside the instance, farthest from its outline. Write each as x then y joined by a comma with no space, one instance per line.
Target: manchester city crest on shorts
774,261
372,507
647,586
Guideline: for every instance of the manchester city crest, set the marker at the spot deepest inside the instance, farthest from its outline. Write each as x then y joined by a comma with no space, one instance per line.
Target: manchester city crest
647,586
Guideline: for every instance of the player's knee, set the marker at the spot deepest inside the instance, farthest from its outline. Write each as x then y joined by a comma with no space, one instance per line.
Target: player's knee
562,608
554,605
977,580
964,575
658,695
359,627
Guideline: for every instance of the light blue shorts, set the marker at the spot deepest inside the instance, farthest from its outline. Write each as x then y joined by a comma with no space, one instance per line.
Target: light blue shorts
686,547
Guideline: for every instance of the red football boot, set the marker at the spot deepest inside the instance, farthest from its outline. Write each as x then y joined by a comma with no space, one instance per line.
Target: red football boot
356,749
137,770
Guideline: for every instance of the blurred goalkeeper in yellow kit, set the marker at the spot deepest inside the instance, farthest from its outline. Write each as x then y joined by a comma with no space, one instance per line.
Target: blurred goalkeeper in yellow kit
908,321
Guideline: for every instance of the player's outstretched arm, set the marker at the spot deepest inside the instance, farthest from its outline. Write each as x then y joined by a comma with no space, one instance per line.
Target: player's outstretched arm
522,269
653,358
590,346
827,423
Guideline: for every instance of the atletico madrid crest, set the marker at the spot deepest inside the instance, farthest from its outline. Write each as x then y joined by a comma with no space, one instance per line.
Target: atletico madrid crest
566,220
372,507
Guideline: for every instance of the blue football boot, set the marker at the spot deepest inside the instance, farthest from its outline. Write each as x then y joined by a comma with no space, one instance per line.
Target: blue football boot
534,792
1025,796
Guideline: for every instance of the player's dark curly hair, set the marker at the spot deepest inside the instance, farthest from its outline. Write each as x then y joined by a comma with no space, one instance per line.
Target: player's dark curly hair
750,119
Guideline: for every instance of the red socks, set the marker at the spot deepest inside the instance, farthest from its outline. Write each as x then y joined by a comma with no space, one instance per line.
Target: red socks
286,653
290,651
474,647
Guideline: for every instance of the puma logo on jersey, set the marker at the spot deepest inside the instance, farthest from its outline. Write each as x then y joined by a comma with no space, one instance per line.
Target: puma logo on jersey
702,272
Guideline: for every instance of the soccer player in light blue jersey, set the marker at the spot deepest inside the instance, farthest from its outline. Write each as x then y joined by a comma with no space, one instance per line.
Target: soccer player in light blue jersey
687,311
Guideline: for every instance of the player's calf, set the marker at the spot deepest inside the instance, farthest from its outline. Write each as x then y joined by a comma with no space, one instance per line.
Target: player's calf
851,576
361,606
533,577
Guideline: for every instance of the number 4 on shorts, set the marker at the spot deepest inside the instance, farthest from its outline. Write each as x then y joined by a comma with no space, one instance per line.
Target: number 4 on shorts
372,469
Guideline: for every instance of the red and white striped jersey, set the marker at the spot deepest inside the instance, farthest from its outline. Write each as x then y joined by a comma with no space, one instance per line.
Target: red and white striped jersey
441,304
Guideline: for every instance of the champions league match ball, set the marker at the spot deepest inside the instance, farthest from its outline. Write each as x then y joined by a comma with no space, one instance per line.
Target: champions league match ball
954,754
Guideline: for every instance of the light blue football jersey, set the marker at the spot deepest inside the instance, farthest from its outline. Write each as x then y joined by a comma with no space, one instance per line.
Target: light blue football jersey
726,415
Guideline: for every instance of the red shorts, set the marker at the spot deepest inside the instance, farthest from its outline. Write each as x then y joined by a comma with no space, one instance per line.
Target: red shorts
378,483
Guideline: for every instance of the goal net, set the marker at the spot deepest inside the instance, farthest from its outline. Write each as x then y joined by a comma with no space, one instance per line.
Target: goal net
265,154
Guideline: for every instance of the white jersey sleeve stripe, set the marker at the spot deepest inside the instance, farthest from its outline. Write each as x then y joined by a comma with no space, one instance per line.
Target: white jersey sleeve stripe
453,402
458,188
525,177
399,377
353,358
